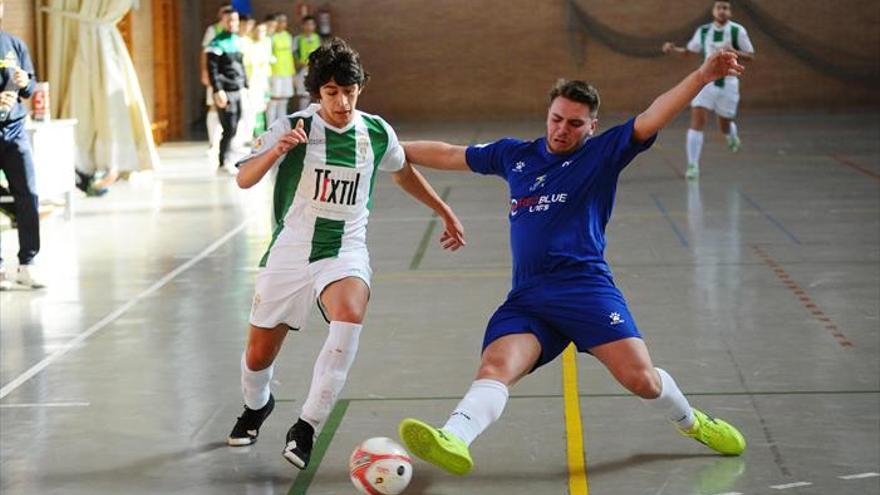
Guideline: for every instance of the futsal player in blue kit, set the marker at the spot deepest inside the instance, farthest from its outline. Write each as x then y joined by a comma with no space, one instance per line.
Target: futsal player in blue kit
562,189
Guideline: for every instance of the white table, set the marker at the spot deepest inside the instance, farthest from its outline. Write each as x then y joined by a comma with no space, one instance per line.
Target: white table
54,148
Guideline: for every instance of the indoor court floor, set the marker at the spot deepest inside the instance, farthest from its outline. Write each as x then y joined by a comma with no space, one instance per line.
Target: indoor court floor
757,288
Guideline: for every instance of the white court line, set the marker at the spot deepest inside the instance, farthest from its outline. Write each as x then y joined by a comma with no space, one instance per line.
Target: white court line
44,404
786,486
51,358
859,476
730,493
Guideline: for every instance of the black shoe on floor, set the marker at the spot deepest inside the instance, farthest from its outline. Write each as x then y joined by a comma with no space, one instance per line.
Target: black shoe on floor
247,428
300,439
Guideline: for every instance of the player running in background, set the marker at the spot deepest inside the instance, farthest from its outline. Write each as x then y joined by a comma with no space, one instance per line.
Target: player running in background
327,158
562,191
722,95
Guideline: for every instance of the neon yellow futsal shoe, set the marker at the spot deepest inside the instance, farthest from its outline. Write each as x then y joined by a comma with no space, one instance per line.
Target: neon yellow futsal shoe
439,447
717,434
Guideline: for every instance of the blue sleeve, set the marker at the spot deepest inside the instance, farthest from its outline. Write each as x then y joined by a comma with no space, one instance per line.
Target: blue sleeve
619,147
488,159
28,66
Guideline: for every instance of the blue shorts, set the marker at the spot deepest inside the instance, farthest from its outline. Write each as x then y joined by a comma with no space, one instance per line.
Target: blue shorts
586,309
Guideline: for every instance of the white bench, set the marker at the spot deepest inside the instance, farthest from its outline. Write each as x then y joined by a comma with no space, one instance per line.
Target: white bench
54,148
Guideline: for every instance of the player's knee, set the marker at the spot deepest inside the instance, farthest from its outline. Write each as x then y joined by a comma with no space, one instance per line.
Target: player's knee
259,357
643,383
348,312
496,367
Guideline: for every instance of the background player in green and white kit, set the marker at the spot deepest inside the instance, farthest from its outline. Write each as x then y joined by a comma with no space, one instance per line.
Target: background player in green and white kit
281,82
327,158
721,96
303,46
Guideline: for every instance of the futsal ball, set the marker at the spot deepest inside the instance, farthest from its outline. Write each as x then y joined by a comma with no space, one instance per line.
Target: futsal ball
380,466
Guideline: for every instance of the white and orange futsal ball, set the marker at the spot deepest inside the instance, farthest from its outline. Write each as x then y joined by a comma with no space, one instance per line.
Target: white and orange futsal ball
380,466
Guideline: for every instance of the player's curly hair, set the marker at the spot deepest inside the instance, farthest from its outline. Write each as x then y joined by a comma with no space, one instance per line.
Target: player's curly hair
337,61
578,91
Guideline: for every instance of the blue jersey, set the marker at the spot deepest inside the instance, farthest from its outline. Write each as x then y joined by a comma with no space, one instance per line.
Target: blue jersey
559,204
14,54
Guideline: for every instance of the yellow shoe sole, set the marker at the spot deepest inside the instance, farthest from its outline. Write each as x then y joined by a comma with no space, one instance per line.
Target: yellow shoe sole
434,446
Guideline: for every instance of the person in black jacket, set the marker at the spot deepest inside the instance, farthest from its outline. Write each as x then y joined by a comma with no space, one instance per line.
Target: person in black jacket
227,75
16,159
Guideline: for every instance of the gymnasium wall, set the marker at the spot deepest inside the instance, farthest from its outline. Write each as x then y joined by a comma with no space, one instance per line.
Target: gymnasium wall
455,59
18,19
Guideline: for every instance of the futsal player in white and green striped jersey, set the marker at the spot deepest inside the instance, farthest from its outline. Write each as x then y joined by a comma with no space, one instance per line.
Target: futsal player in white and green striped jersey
327,157
721,96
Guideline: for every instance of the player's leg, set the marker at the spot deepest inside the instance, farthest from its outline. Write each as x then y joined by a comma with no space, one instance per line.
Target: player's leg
728,128
229,118
630,364
725,107
503,363
344,303
695,140
18,166
257,365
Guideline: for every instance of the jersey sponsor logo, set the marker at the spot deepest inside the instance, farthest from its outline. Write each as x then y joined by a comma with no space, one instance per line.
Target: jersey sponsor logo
519,166
333,190
616,319
534,204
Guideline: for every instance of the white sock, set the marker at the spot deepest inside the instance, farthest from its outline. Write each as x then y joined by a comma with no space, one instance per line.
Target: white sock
215,130
481,406
732,134
694,145
255,384
672,402
331,370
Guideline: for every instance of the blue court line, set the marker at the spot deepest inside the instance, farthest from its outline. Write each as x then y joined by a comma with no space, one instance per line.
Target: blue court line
770,217
681,238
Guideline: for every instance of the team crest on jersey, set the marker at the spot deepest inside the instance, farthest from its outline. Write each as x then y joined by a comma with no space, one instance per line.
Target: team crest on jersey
363,144
258,144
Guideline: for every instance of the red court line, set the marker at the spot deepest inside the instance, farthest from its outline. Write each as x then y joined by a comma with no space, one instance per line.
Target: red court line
803,297
849,163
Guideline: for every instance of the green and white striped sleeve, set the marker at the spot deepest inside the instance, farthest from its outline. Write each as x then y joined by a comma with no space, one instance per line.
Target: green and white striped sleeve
745,44
696,43
268,140
394,157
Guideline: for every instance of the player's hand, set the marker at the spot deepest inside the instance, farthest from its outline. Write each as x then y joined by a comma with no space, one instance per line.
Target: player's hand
8,99
668,47
21,78
292,139
720,64
220,99
452,237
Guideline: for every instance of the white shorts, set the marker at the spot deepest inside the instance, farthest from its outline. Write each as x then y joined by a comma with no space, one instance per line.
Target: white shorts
285,291
721,100
281,86
299,82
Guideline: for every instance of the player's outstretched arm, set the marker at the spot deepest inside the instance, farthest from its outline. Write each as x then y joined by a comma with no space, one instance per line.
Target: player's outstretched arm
251,171
670,103
436,154
670,47
414,183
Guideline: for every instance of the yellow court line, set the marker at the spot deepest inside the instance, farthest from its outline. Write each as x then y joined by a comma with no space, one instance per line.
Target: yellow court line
574,433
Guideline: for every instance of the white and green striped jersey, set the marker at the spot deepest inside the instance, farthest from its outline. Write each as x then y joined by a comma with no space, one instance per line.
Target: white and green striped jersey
710,38
323,189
